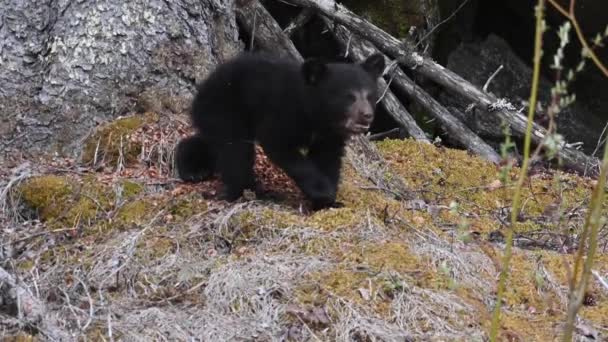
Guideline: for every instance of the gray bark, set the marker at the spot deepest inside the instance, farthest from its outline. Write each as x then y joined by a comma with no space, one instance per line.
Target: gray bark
266,32
66,66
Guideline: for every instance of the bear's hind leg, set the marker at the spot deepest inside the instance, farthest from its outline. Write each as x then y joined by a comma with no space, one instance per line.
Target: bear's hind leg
194,159
235,165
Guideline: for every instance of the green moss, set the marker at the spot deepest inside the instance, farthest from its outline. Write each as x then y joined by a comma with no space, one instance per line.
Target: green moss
112,139
26,265
367,266
250,224
394,16
154,247
131,189
444,176
92,199
64,203
47,195
341,282
135,213
20,337
392,256
187,206
334,219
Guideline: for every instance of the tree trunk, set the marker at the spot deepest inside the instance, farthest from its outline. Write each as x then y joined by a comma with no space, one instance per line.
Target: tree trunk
66,66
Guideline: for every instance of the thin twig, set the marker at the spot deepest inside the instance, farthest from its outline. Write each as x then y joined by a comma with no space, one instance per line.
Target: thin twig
91,307
441,23
600,279
381,135
601,140
388,85
255,17
485,86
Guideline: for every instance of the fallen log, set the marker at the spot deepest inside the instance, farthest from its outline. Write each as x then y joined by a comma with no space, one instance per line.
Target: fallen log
455,128
364,157
405,54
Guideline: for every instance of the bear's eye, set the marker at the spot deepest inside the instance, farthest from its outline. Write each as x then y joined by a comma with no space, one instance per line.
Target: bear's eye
351,97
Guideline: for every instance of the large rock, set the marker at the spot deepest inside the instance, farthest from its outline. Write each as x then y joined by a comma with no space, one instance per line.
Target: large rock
477,61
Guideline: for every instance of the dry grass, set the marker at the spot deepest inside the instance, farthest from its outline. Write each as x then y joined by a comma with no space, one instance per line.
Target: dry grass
184,268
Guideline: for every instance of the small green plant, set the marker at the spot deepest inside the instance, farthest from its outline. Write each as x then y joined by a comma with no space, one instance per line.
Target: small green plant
552,143
540,28
579,280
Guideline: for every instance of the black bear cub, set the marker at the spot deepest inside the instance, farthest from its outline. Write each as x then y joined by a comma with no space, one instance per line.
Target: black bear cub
284,106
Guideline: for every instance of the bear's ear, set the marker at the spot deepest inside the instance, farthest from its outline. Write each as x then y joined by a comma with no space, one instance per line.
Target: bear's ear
374,65
314,70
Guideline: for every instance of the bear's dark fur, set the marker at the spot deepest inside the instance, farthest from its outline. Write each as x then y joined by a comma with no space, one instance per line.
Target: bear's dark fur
284,106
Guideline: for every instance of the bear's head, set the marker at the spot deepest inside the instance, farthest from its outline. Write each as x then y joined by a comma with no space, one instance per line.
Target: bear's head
346,92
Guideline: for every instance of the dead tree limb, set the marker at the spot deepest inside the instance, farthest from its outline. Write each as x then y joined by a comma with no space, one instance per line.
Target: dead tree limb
265,31
398,112
382,135
364,157
300,20
406,55
455,128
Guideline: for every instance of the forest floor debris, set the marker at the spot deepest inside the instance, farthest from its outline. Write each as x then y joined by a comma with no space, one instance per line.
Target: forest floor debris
127,252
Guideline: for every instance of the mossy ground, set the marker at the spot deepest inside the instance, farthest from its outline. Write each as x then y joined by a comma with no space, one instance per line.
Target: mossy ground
113,141
428,271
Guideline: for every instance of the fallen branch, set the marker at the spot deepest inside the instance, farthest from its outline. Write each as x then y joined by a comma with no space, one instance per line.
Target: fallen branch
455,128
397,111
363,155
265,31
300,20
404,53
382,135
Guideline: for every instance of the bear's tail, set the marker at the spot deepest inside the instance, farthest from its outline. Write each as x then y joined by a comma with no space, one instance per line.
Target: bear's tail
194,159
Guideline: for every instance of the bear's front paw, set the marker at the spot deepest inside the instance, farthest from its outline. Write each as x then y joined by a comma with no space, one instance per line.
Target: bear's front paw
322,194
320,205
229,195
